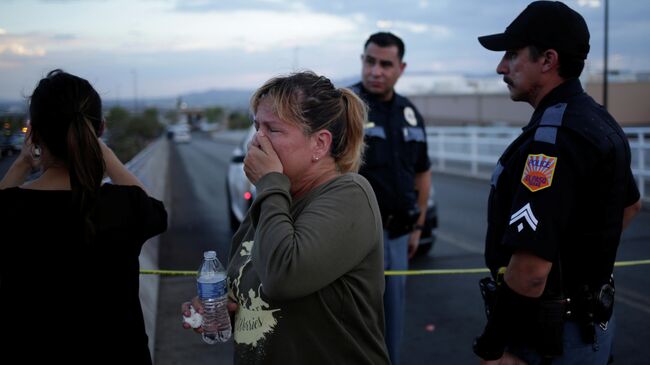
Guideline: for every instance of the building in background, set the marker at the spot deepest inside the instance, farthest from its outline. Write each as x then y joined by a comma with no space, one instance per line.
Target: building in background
456,100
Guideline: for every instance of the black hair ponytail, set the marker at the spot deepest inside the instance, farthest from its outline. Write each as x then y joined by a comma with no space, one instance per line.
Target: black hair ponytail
86,166
66,117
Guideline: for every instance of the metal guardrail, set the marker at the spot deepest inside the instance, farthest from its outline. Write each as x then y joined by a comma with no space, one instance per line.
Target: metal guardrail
474,151
138,164
150,166
640,145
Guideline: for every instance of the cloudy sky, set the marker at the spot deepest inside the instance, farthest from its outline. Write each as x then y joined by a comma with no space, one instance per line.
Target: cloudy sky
167,47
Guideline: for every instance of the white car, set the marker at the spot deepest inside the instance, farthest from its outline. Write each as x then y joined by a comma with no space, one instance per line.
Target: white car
182,137
241,193
239,190
12,144
179,133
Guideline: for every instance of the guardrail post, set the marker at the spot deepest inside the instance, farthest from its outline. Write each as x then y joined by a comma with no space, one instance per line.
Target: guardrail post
441,150
473,151
641,160
450,144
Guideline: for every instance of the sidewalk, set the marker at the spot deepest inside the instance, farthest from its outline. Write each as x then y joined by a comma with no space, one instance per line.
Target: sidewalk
192,230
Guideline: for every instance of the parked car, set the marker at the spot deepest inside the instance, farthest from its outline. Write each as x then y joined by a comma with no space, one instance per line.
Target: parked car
241,193
182,137
16,142
179,133
12,144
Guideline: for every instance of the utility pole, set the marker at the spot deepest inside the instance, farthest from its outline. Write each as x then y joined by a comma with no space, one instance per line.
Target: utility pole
135,90
479,100
606,56
117,94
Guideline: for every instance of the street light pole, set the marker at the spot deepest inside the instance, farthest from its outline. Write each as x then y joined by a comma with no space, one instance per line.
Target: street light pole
479,100
606,56
135,90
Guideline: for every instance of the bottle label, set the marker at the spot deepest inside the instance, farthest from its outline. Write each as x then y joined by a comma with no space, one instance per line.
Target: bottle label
212,287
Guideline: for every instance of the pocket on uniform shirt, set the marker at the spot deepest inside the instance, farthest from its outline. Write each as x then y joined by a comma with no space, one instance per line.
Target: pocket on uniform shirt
413,138
413,134
377,152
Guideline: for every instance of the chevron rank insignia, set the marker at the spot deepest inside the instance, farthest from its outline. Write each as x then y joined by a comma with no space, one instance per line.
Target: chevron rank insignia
538,172
525,214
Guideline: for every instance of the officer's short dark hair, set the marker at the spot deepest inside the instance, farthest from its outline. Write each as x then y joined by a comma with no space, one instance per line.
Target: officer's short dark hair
569,65
387,39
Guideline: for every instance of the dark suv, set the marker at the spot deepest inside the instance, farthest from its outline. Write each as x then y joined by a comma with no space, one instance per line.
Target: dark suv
12,144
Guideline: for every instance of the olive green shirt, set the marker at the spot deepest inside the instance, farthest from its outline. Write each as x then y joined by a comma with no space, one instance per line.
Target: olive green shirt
308,277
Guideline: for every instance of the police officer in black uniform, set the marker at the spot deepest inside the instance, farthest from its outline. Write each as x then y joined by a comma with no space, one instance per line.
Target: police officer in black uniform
561,194
397,165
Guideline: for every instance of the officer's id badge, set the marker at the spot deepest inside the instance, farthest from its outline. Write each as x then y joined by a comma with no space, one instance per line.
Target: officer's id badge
409,115
538,172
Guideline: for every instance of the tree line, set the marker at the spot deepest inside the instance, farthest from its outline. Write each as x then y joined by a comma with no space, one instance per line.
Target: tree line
128,133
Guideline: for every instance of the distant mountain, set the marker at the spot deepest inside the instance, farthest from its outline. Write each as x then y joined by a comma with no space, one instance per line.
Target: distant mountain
10,107
227,98
236,98
231,99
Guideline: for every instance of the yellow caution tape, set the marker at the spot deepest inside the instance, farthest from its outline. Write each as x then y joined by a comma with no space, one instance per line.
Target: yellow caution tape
631,263
168,272
396,272
435,272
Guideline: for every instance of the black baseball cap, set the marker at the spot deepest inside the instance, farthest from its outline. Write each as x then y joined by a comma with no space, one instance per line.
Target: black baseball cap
547,24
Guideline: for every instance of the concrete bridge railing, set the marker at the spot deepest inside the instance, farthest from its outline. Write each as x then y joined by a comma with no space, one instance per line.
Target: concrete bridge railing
474,151
150,166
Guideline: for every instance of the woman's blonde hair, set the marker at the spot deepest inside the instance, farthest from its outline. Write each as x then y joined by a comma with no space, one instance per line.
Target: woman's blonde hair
312,102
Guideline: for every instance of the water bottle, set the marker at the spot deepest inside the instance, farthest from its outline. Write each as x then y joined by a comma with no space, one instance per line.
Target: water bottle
213,293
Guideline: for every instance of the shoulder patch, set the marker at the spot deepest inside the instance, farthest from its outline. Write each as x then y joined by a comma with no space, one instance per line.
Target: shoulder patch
538,172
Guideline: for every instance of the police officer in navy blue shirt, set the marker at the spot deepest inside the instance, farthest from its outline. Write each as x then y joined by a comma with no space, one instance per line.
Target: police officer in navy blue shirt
561,194
397,166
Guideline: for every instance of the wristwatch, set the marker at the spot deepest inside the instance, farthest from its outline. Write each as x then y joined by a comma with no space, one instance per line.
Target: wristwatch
418,227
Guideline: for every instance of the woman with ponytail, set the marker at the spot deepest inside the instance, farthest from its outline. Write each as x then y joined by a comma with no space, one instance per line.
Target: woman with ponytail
306,266
69,270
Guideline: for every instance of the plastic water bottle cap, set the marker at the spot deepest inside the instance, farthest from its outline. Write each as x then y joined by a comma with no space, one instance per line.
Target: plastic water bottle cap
209,254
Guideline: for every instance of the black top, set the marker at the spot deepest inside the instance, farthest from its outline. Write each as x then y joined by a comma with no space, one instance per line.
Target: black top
396,151
67,300
559,190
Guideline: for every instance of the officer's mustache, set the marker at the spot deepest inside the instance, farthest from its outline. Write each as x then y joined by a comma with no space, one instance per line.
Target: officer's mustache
507,80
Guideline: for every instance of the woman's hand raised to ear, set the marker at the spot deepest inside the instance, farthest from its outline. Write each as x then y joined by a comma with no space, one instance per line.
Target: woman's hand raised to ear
118,173
28,160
